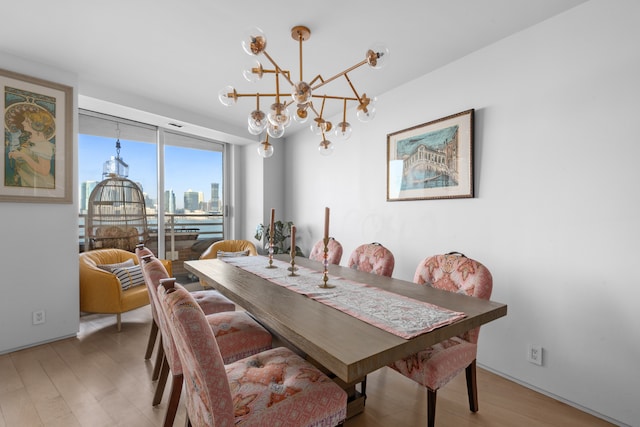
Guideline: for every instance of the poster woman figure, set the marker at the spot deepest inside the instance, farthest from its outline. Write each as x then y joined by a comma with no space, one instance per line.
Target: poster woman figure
32,148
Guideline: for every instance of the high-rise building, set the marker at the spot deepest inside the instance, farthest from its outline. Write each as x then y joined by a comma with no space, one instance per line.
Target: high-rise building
169,201
193,200
215,197
85,191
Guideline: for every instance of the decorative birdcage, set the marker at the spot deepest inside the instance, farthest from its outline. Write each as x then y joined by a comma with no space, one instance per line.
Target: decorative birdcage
116,212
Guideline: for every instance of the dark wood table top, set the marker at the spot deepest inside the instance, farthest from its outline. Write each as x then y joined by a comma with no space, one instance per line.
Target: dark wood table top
348,347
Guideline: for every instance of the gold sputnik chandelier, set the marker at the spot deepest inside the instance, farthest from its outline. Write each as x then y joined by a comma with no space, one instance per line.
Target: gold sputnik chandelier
305,97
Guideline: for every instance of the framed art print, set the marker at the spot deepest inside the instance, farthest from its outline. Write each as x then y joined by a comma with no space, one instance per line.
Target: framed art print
38,140
433,160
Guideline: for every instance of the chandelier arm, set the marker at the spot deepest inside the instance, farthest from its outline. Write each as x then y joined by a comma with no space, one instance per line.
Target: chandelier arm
277,67
348,70
277,86
244,95
300,40
335,97
344,113
318,77
314,110
346,76
324,98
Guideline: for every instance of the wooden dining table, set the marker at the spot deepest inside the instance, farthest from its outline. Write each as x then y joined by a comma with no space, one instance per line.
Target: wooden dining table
345,346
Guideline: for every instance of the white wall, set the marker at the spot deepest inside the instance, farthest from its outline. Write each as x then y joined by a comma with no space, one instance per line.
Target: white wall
39,251
555,216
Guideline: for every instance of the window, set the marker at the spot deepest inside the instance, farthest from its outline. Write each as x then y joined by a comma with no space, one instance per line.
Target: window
185,197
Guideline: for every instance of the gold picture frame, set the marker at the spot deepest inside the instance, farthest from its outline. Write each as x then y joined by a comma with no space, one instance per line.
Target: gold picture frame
38,140
433,160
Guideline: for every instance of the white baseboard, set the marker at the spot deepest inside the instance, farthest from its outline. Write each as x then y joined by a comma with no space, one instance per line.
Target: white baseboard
554,396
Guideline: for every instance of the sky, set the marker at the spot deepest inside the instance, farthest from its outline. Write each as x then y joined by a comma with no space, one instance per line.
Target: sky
186,168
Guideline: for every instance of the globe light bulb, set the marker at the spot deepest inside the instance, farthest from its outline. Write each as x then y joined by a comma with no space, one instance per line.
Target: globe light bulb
257,120
279,115
254,73
317,127
265,150
326,147
301,93
301,115
275,131
254,41
228,96
377,56
343,131
367,110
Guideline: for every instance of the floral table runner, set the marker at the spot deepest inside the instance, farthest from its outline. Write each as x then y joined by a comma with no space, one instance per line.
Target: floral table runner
397,314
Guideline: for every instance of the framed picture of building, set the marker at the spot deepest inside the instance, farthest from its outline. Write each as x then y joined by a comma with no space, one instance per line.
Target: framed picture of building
433,160
38,140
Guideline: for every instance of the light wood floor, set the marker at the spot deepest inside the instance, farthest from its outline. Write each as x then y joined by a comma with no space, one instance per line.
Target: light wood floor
101,379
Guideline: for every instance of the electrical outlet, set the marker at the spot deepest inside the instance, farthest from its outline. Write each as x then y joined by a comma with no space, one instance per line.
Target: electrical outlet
38,317
534,354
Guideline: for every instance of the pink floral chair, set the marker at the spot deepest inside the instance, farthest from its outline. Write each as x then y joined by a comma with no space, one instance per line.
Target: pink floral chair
238,336
334,254
372,258
211,301
437,365
275,387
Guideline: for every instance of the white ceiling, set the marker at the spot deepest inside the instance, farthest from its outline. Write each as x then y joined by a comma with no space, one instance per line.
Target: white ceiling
181,53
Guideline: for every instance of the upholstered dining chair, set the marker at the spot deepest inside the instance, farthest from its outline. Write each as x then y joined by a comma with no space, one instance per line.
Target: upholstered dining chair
334,251
372,258
275,387
435,366
108,282
238,336
225,248
229,247
211,302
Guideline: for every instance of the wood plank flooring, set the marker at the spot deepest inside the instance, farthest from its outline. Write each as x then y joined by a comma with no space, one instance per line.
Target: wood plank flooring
100,378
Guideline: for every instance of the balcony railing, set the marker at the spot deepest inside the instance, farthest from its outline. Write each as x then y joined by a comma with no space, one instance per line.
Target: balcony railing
187,235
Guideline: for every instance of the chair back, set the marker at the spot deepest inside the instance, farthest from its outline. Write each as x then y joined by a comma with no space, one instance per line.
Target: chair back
154,272
372,258
229,246
208,395
454,272
334,253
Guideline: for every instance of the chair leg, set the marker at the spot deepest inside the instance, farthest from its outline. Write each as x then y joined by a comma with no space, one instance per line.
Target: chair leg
174,399
162,381
472,387
152,340
158,364
119,321
431,408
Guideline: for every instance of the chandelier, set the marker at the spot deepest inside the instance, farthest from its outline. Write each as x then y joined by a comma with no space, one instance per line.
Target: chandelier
306,98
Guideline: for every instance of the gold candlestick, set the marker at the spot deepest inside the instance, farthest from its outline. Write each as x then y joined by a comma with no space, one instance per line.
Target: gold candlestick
293,267
271,253
325,262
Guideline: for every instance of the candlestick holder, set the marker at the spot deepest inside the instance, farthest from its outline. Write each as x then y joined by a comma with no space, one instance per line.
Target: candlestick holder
325,262
293,267
271,253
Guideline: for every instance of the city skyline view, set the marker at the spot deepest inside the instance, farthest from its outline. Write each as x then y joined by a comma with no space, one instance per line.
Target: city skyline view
186,169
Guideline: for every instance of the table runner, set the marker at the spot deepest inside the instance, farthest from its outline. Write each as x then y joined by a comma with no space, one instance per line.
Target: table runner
397,314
